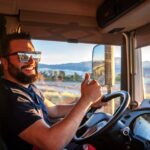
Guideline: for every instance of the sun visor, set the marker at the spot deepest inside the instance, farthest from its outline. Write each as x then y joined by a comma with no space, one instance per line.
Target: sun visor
143,36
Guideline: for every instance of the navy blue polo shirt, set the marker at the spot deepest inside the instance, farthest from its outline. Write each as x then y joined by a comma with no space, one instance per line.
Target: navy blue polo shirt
25,108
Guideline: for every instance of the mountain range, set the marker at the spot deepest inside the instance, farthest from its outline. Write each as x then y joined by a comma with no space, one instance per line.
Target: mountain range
81,66
85,66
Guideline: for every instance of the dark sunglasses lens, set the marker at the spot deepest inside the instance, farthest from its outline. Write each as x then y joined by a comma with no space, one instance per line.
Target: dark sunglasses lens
25,57
36,57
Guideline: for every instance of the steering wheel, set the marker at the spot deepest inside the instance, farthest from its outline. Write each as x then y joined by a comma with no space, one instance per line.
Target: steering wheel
98,123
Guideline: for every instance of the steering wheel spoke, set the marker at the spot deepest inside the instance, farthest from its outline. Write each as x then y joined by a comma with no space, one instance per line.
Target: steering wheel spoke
95,119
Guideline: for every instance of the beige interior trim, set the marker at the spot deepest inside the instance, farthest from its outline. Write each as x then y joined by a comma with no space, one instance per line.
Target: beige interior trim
143,36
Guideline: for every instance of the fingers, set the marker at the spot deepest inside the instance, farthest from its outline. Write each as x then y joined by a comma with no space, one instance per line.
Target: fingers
93,82
87,78
96,83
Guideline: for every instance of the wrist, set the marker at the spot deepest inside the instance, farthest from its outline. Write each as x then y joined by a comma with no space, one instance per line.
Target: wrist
85,101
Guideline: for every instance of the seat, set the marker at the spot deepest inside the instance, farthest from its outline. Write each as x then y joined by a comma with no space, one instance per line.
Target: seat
3,115
2,144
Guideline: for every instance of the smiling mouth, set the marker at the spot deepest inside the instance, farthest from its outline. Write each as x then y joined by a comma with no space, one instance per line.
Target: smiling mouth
28,68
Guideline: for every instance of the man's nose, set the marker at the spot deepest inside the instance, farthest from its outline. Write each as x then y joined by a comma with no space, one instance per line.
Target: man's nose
31,60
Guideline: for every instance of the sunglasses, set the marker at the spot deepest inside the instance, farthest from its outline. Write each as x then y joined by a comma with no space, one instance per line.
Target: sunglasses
24,57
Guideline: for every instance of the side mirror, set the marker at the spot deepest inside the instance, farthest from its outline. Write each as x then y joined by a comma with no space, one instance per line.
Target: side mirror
106,69
103,67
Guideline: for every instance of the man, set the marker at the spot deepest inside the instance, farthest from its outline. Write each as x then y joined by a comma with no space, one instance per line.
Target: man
28,124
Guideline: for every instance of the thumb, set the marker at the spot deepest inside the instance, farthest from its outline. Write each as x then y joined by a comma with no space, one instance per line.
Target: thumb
87,78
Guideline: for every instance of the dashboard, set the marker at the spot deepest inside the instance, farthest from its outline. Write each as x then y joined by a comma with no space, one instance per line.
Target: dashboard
138,121
141,127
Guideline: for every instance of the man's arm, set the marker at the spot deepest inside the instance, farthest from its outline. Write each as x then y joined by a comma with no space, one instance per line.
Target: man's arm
57,136
60,111
60,134
57,111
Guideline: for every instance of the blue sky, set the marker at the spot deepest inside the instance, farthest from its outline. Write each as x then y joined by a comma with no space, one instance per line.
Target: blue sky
63,52
146,53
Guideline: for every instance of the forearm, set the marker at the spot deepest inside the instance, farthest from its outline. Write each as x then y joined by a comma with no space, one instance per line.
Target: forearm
60,111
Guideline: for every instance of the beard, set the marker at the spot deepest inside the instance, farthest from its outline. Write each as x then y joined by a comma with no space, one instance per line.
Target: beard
20,76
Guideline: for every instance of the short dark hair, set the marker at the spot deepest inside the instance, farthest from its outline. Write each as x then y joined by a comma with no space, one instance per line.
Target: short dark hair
6,39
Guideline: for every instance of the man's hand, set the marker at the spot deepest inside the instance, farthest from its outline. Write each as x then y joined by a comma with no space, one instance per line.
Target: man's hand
91,90
98,104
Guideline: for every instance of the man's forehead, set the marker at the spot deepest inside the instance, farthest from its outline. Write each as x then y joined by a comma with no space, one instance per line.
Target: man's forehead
21,45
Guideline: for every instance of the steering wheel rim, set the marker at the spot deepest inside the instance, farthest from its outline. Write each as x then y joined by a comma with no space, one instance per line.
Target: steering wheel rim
125,98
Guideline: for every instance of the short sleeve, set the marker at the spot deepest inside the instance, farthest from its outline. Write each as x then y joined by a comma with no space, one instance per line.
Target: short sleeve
24,113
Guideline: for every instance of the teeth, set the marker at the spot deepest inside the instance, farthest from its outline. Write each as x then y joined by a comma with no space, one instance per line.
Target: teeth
29,68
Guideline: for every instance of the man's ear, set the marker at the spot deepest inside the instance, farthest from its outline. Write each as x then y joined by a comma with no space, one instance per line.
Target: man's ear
4,63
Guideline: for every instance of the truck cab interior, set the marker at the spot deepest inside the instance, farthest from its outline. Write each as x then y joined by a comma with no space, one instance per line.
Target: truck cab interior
125,23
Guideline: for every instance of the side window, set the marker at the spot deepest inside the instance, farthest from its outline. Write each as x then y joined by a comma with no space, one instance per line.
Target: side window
146,71
62,69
